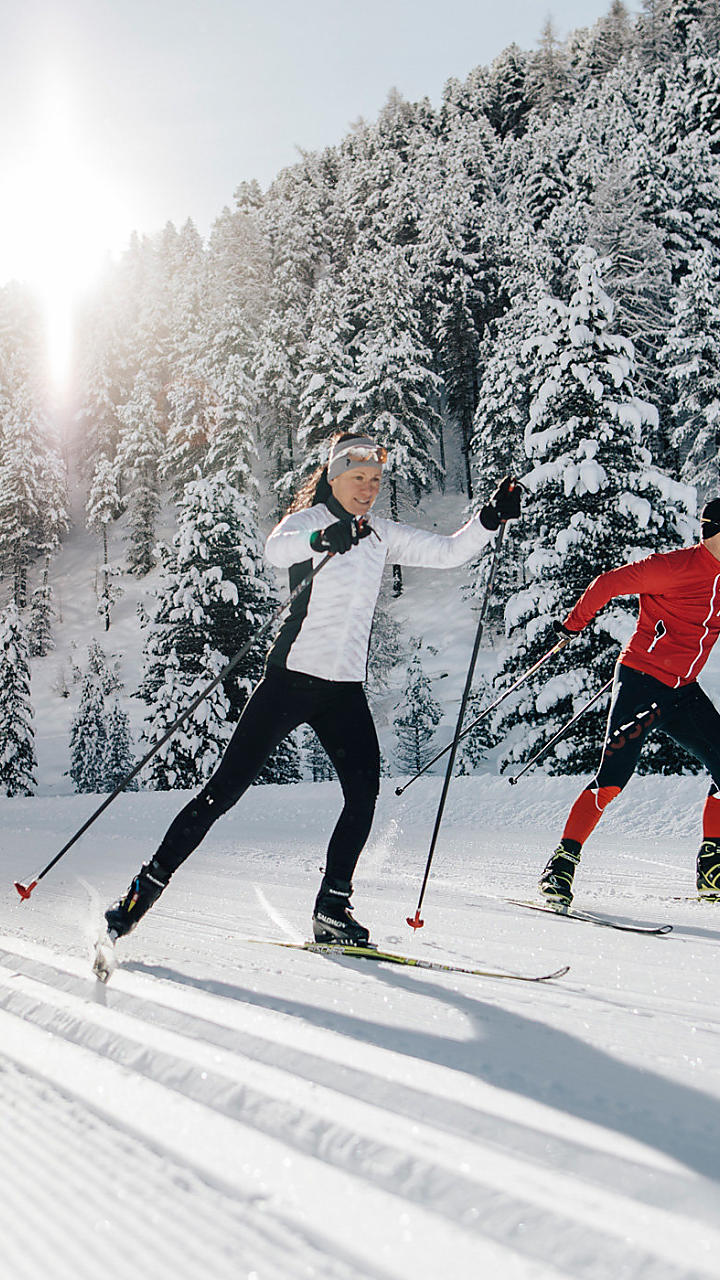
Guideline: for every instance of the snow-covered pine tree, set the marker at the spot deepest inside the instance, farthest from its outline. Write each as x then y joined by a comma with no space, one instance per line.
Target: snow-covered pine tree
39,629
479,741
213,594
327,378
397,389
33,515
598,501
137,460
455,259
103,506
417,719
18,762
316,757
691,359
548,79
119,754
88,737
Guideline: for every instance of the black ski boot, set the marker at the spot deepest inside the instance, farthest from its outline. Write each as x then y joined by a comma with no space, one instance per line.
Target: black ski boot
708,870
332,918
144,890
556,881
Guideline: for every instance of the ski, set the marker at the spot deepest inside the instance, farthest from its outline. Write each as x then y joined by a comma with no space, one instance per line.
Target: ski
392,957
589,917
104,959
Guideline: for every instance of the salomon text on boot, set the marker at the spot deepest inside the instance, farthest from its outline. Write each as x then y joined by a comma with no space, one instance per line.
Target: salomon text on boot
708,870
144,890
332,917
556,881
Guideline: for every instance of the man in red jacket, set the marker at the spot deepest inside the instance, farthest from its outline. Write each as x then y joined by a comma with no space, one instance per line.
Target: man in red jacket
655,688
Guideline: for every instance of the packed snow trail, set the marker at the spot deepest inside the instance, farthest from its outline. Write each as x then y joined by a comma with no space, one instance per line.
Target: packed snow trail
231,1109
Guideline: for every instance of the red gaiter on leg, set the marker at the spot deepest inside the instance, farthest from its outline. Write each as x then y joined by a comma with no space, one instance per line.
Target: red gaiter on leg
588,810
711,818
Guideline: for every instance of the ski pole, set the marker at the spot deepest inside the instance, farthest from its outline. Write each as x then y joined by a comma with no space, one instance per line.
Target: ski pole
559,644
26,890
414,921
561,732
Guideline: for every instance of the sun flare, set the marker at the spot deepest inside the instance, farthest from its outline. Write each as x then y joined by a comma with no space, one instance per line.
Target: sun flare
60,220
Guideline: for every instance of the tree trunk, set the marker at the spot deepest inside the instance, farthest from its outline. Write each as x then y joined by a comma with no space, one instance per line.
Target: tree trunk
396,569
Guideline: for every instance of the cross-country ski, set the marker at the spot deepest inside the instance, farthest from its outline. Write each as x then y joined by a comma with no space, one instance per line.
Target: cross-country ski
413,962
606,922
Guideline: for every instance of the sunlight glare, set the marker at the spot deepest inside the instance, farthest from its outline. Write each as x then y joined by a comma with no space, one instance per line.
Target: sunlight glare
60,222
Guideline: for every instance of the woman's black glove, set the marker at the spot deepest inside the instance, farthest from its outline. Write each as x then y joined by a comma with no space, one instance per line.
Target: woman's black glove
339,537
504,504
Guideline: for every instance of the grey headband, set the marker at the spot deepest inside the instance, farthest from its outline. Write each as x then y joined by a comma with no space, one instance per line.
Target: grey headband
342,459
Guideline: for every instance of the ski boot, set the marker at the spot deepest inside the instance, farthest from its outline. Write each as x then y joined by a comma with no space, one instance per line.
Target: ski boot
332,918
144,890
708,871
556,881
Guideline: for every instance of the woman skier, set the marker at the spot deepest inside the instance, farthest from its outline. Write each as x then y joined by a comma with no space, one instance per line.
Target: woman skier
655,687
315,671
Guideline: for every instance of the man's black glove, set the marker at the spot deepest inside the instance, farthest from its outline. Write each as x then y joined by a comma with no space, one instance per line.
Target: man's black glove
339,537
561,630
504,504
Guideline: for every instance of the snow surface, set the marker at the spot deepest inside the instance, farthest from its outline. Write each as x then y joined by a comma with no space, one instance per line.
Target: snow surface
226,1108
229,1109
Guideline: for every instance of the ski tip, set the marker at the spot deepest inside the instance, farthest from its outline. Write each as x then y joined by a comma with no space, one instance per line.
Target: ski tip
25,889
414,921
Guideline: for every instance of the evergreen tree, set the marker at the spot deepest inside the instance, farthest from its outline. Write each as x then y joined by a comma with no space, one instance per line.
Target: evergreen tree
103,506
598,501
477,744
396,386
18,762
88,737
212,596
327,375
39,631
119,755
317,758
692,361
33,513
137,462
417,719
548,73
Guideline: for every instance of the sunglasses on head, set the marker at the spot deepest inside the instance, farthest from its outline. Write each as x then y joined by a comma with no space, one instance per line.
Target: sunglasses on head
361,453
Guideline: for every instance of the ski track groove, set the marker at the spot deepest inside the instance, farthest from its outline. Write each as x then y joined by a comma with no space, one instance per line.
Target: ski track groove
579,1245
136,1193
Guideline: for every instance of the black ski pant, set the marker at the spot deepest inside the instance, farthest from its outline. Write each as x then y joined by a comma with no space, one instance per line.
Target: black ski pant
640,704
338,712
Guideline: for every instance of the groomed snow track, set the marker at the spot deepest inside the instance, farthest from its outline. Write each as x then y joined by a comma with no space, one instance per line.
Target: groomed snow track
204,1136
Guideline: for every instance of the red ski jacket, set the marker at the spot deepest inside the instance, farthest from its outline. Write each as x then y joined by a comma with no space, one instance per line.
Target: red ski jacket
679,618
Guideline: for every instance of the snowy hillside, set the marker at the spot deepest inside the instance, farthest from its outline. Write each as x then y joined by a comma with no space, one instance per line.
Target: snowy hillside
227,1108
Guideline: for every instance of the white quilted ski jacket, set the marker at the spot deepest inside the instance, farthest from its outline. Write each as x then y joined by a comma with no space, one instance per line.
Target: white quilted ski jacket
328,629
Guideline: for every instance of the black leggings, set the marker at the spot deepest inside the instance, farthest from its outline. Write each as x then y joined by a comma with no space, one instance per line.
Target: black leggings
338,712
640,703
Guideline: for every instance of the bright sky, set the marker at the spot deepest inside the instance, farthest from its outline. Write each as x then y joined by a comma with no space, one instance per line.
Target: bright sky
122,114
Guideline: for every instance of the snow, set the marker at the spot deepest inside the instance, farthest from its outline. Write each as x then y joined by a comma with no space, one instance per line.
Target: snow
228,1108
